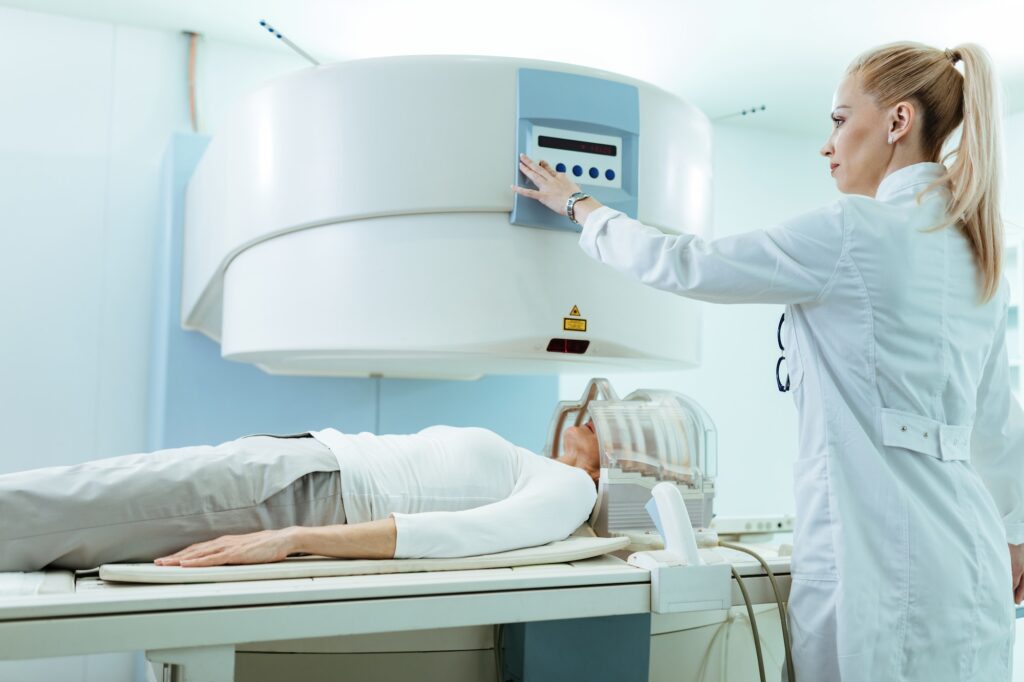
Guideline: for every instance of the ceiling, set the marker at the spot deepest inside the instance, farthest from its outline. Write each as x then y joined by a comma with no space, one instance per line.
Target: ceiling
723,56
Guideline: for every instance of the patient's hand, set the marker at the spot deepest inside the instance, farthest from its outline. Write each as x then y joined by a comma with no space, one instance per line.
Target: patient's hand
263,547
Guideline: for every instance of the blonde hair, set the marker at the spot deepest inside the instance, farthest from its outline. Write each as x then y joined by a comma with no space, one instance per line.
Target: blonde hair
946,98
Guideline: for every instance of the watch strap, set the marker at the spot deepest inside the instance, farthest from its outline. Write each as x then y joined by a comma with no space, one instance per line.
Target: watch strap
570,205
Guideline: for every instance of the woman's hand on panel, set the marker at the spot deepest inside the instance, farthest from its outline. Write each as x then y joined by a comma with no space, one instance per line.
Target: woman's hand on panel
553,188
263,547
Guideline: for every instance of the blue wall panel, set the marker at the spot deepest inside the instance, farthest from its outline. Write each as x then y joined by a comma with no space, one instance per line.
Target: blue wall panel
517,408
612,648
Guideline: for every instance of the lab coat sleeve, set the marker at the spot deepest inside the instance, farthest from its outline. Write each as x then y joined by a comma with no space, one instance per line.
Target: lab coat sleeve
997,442
546,508
794,262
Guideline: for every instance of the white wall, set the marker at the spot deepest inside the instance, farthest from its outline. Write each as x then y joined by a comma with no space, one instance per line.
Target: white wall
759,179
87,114
1013,189
87,110
1013,214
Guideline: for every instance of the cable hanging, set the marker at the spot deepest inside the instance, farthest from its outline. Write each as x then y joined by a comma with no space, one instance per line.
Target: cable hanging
193,107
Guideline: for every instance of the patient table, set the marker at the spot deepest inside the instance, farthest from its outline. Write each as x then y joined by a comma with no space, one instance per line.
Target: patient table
194,630
198,626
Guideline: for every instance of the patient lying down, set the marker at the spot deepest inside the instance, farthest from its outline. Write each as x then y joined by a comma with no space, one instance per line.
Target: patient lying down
442,492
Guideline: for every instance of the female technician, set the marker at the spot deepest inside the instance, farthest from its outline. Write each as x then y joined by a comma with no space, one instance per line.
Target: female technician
910,481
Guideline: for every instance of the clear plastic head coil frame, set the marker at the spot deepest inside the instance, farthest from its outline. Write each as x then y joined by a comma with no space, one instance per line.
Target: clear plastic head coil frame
649,437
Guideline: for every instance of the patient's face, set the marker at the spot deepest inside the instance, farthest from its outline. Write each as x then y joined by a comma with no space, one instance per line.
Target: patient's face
580,448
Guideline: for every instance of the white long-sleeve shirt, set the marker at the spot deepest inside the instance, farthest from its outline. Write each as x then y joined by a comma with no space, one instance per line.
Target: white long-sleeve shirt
458,491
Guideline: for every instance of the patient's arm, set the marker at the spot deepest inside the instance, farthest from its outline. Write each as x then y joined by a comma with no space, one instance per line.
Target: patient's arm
371,540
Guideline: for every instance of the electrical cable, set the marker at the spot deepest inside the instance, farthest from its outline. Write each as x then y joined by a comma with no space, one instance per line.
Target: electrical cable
753,622
499,663
702,671
723,657
193,39
783,619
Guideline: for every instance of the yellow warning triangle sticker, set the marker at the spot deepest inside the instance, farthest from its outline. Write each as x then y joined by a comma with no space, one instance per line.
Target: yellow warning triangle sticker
575,312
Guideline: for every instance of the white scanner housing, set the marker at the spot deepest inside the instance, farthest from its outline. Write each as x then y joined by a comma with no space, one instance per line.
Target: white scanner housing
354,220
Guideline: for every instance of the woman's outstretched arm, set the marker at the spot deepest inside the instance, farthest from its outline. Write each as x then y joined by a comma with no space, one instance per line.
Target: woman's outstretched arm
793,262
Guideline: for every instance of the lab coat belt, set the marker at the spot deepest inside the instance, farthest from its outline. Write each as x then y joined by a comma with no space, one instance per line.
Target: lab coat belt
926,436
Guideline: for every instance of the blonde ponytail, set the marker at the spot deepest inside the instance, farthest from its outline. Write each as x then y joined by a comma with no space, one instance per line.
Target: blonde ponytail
947,99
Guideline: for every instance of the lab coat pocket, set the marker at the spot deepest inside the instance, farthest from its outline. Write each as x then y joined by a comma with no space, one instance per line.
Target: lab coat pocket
813,548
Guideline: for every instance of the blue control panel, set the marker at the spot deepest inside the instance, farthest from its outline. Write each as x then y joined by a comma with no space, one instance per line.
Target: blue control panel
588,128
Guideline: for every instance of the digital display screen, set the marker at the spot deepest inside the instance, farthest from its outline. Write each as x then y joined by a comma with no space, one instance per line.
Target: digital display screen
577,145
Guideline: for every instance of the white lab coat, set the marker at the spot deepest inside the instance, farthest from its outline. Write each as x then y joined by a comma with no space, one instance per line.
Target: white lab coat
910,477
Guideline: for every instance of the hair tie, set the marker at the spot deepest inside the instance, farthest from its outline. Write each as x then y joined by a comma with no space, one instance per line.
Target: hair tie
952,55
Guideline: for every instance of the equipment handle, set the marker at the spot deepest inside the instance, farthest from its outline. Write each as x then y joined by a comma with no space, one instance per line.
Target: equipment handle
676,528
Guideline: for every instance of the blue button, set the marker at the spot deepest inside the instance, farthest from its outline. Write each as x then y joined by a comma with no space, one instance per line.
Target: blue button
560,168
577,170
610,174
594,172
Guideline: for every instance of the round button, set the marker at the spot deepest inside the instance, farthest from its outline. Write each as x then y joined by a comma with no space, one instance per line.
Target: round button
560,168
577,170
594,172
610,174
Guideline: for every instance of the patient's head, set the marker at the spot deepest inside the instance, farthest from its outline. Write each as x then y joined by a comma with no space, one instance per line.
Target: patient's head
580,449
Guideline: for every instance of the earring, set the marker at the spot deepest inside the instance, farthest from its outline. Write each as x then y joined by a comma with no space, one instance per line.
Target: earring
890,138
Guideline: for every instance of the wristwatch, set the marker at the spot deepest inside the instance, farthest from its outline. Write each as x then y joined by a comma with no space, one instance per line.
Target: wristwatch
570,205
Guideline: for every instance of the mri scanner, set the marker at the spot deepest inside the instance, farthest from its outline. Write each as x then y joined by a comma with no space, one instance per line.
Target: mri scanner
357,220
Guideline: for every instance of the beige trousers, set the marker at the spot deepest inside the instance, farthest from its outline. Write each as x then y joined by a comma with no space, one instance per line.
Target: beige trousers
136,508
